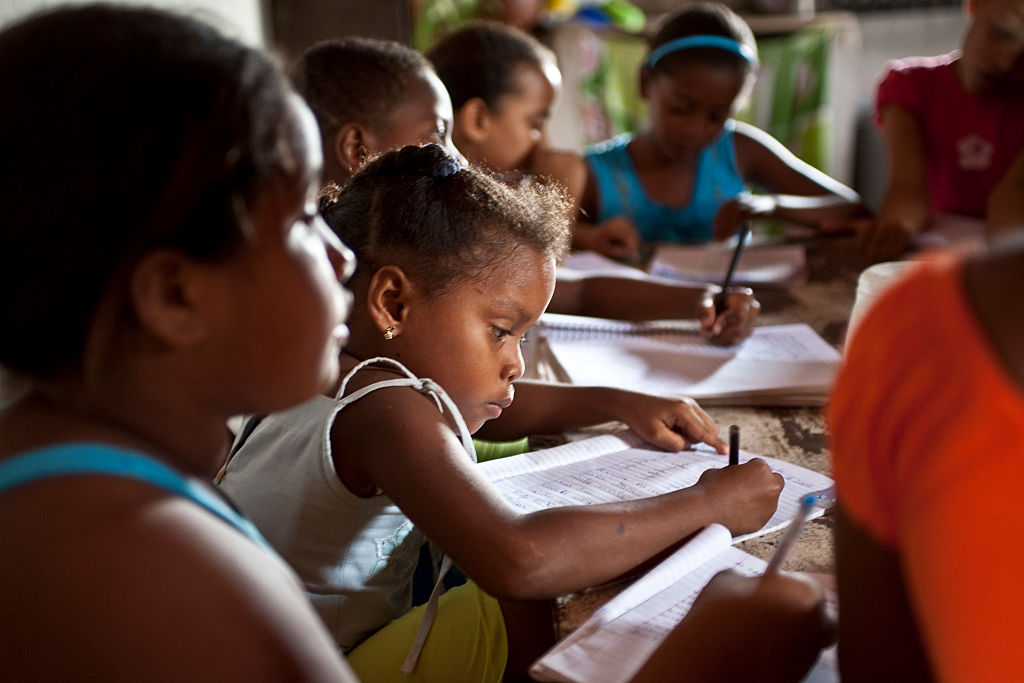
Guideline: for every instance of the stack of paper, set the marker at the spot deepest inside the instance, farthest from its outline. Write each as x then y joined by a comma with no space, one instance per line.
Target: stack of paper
780,265
776,365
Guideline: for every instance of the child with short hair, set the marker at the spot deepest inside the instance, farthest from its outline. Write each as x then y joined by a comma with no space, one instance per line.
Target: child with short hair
454,268
951,125
685,177
502,98
178,277
373,95
369,96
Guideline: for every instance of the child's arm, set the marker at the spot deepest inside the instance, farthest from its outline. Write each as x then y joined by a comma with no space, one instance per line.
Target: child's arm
160,590
1006,202
548,408
398,438
624,298
906,207
743,628
616,237
799,192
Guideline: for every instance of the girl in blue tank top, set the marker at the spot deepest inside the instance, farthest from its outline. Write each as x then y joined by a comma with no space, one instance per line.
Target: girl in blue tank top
685,177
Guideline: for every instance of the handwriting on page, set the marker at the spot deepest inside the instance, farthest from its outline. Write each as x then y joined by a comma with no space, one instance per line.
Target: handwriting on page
638,473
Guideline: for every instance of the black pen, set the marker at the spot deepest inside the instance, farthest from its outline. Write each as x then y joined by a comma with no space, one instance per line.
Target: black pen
741,238
734,445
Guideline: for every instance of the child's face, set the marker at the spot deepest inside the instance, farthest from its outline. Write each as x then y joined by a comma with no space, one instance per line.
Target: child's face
519,120
424,116
993,49
285,310
688,107
468,338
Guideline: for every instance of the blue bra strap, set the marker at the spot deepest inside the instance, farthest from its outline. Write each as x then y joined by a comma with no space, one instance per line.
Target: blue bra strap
97,459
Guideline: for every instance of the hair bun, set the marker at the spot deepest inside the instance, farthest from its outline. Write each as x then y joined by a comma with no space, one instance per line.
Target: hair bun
445,166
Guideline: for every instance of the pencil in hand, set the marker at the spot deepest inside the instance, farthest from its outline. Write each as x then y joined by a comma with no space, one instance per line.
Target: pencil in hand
734,445
741,239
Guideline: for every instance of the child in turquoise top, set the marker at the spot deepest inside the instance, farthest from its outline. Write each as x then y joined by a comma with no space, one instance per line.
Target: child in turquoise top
169,272
684,177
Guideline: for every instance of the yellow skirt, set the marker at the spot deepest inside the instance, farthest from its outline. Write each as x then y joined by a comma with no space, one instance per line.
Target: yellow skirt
466,643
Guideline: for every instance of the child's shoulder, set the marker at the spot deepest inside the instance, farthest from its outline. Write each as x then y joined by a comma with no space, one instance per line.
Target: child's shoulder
920,66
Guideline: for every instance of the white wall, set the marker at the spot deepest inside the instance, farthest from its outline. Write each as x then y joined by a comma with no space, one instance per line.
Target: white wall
241,19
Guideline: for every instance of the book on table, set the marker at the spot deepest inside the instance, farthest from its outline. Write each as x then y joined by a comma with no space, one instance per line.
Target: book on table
612,644
776,365
779,265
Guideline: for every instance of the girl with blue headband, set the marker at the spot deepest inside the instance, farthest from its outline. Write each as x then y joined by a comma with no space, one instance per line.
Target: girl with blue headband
685,177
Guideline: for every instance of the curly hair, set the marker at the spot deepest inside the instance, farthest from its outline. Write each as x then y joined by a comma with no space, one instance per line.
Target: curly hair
444,224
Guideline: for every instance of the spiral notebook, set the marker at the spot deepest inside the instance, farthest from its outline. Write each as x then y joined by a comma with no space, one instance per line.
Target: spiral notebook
776,365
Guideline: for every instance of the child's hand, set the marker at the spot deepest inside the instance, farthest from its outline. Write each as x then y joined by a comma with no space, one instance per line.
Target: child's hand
882,239
735,212
736,321
744,628
617,238
742,497
673,424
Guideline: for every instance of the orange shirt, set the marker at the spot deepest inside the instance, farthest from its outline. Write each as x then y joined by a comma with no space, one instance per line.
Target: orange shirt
928,455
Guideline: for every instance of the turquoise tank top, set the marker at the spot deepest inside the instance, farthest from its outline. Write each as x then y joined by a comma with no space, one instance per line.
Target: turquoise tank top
98,459
621,194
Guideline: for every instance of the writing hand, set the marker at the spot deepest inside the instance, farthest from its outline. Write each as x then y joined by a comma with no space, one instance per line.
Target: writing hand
736,321
742,497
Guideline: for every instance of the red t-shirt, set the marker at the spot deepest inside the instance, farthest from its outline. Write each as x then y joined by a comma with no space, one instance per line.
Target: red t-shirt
969,141
927,439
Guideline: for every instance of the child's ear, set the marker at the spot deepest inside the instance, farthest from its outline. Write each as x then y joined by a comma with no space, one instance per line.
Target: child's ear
388,298
350,146
473,120
165,295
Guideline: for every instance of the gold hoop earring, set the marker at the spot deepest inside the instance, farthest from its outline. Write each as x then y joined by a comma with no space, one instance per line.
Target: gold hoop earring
389,333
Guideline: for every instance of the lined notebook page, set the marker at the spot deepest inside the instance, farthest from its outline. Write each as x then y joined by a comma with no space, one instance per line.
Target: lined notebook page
613,470
783,362
613,644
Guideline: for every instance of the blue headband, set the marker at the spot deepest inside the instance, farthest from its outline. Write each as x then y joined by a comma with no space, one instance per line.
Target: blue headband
687,42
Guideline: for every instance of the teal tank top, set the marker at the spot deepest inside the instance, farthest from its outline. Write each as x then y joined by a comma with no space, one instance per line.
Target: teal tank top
67,460
621,194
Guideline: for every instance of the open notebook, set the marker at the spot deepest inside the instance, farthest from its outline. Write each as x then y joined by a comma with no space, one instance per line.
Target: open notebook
776,365
623,466
778,265
613,644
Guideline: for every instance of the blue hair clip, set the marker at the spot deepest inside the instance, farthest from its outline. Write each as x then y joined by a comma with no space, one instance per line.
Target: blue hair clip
687,42
445,166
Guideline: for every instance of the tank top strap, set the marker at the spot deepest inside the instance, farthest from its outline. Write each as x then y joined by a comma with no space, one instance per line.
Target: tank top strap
99,459
425,386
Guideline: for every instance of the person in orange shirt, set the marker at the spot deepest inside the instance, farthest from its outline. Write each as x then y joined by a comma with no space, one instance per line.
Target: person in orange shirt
927,425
